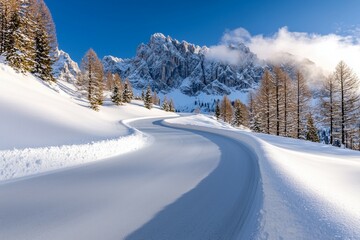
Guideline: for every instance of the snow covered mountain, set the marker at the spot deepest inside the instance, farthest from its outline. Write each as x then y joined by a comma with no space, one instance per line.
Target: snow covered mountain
167,64
65,68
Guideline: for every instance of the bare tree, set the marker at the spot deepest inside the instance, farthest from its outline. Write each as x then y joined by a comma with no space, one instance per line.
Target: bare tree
302,95
264,103
349,98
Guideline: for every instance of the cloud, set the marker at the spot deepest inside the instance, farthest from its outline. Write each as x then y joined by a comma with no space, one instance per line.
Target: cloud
224,54
324,50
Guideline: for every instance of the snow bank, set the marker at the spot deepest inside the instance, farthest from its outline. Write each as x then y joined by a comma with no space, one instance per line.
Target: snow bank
203,121
48,126
18,163
310,190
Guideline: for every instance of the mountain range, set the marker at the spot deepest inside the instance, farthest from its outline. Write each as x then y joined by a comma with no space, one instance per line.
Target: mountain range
169,66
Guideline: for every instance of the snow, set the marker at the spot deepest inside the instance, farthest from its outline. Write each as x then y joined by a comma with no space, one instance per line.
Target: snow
210,179
310,190
45,127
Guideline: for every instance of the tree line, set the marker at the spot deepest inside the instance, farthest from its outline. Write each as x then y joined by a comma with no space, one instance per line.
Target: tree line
28,37
92,81
286,107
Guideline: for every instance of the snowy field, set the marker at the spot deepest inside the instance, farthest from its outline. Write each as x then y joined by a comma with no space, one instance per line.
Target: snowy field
46,127
192,177
309,189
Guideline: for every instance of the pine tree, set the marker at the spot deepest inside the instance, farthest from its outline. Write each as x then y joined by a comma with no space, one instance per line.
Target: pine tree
226,110
171,106
127,93
42,60
50,29
217,111
165,105
91,79
142,94
116,96
239,118
148,98
311,131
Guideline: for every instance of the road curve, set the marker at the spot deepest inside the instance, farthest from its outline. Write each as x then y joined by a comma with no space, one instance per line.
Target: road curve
189,183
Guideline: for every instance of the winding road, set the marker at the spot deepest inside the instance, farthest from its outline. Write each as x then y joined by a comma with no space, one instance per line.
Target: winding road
187,183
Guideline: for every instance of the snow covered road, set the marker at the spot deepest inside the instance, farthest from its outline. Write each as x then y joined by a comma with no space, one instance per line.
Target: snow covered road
186,184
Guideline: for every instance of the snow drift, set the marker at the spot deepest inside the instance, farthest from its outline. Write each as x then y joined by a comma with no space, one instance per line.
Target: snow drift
45,127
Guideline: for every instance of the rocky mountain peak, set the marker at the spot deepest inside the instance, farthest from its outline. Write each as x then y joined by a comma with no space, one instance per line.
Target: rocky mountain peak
167,64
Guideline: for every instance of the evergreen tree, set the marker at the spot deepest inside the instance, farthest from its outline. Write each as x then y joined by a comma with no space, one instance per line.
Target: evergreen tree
49,26
165,105
238,113
43,63
142,94
311,133
217,111
127,93
116,96
171,106
148,98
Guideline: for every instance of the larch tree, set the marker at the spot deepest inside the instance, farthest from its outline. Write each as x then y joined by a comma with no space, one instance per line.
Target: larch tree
302,97
278,81
349,99
155,98
226,110
288,106
91,79
109,78
329,106
265,103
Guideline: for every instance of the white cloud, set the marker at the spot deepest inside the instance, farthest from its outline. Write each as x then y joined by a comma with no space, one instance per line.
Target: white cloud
224,54
324,50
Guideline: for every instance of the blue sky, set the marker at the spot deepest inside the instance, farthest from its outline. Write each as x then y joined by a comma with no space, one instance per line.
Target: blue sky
117,27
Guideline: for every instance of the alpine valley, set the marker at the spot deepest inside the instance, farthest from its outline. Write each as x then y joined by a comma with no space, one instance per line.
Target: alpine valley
192,75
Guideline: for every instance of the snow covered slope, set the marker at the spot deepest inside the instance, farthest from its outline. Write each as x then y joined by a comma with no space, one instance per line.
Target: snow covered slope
45,127
310,190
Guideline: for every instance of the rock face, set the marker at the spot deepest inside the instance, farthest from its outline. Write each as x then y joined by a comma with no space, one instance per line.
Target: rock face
65,68
166,64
